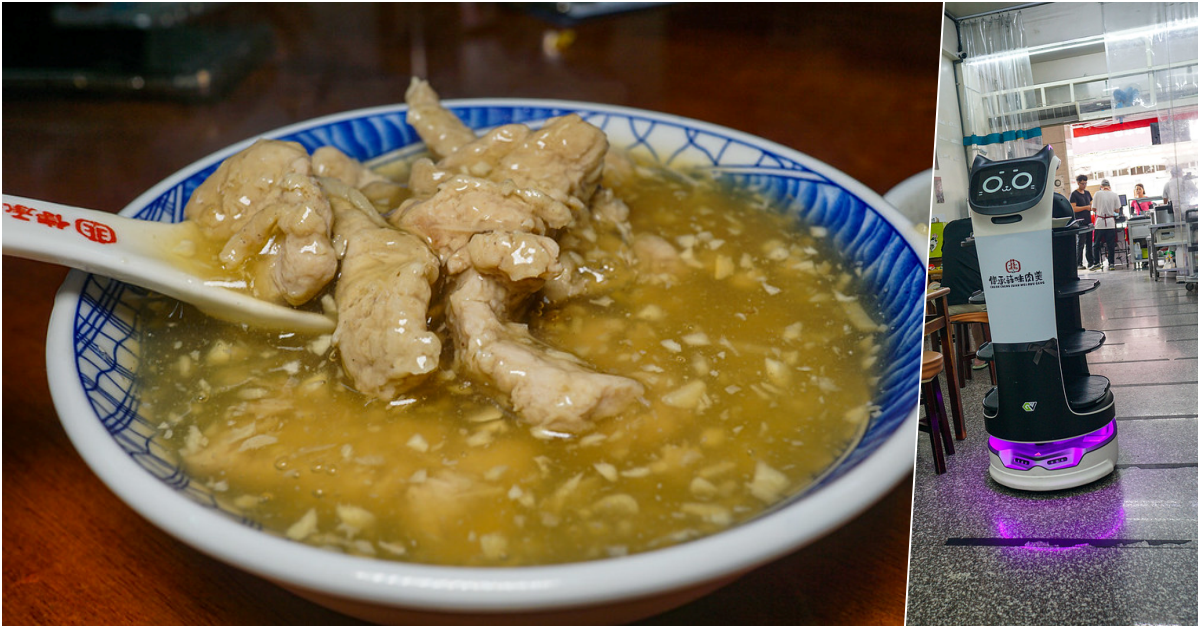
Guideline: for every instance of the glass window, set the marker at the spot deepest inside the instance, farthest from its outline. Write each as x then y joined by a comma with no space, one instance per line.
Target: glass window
1176,82
1058,95
1091,90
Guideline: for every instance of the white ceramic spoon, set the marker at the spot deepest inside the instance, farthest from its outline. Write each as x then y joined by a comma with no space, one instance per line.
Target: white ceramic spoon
139,252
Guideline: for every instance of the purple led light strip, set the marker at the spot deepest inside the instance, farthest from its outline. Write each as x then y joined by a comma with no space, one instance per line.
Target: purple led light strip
1058,454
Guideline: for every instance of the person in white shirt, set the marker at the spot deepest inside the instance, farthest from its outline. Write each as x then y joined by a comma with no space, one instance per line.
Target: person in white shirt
1107,206
1180,191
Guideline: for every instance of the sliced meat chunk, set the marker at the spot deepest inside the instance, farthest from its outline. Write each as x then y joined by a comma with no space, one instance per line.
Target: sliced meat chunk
464,206
549,389
516,256
587,275
619,168
273,217
383,298
596,255
328,161
425,178
612,213
383,193
570,282
291,269
441,130
274,220
482,157
564,159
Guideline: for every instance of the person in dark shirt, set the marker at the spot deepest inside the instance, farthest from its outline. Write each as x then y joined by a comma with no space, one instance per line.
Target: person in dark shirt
1081,201
960,267
960,273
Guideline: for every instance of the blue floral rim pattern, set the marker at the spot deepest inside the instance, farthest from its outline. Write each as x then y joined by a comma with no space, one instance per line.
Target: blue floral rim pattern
106,320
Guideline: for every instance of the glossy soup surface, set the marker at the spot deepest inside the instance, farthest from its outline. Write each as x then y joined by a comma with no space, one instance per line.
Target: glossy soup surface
759,367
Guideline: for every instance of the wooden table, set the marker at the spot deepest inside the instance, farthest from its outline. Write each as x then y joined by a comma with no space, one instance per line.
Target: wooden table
853,85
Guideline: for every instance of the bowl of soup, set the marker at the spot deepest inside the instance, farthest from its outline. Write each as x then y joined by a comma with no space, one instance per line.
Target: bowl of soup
716,364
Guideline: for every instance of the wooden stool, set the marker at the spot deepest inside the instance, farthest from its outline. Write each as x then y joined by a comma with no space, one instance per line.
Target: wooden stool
963,351
935,410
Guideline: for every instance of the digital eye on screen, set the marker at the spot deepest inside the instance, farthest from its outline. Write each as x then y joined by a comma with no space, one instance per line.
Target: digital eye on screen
996,183
1008,185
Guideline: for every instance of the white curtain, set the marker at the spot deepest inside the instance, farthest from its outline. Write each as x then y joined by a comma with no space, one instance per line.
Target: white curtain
1151,51
1148,48
996,78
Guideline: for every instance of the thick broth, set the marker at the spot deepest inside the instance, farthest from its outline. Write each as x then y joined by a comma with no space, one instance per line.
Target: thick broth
759,372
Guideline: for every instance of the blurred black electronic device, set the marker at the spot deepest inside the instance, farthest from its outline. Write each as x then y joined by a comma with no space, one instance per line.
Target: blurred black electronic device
160,50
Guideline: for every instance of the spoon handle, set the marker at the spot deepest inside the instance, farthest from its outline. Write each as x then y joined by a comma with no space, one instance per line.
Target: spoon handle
90,240
139,252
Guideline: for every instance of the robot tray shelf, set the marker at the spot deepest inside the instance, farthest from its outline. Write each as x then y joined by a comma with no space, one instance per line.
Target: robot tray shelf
1075,287
1070,344
1078,343
1083,394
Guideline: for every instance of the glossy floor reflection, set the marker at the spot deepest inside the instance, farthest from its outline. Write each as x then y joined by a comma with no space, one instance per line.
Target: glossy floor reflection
1120,551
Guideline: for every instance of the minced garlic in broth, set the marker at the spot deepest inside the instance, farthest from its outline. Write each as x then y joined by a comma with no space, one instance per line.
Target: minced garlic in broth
758,366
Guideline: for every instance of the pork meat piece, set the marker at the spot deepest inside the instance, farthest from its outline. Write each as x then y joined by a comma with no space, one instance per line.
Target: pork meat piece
383,193
424,178
564,159
479,158
328,161
619,168
383,296
549,389
519,257
264,200
441,130
482,157
464,206
596,254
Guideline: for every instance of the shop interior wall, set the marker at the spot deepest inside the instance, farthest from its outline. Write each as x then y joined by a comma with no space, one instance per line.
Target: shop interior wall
1049,23
1068,68
951,167
1056,22
1044,24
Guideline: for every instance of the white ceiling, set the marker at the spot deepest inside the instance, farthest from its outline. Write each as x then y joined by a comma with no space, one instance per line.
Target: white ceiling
960,10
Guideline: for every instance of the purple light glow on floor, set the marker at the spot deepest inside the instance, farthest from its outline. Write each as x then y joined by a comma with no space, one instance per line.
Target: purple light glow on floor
1007,531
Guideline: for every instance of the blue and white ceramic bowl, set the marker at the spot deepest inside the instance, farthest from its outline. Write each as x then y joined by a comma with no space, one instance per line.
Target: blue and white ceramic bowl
93,361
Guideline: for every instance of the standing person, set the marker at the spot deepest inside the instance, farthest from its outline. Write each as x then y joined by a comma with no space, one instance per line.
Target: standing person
1081,201
1107,206
1180,192
1137,207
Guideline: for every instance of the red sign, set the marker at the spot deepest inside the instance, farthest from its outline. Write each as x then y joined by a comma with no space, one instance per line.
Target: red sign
1012,266
96,232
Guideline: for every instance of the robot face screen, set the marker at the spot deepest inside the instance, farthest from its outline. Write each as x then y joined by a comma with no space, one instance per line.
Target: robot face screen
1007,184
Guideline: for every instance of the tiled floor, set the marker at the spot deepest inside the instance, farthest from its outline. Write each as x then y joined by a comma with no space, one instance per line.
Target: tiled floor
1121,551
